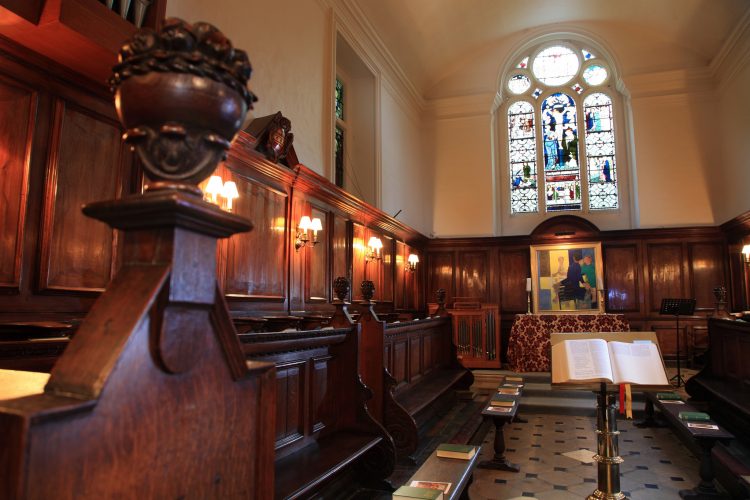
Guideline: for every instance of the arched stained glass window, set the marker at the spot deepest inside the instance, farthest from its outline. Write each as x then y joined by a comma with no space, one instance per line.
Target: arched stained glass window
522,140
600,152
560,94
562,175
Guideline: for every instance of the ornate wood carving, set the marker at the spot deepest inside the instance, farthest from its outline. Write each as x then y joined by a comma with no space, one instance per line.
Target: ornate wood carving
400,425
274,139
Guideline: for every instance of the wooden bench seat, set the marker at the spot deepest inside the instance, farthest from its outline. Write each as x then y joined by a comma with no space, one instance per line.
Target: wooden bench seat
700,439
323,429
448,470
417,397
303,472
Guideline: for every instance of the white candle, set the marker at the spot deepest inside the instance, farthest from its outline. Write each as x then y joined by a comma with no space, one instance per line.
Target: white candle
528,284
599,283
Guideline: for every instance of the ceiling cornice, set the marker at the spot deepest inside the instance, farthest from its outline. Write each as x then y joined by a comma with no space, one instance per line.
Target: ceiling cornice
734,54
354,19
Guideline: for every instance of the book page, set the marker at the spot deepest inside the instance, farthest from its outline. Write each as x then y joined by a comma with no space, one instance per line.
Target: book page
637,364
583,360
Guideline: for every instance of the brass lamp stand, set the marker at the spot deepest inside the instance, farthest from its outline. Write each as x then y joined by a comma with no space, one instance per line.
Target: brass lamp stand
607,456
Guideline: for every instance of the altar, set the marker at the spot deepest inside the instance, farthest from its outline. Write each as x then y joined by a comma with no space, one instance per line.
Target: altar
529,341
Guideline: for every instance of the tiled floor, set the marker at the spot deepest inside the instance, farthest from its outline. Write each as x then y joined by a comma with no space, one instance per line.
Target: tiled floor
656,464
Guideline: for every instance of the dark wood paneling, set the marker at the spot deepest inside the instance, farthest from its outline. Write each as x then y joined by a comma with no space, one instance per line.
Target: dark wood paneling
440,274
386,266
18,109
84,165
318,391
290,404
665,334
514,269
317,271
473,275
415,354
665,273
256,260
340,244
359,246
706,272
622,277
401,278
400,361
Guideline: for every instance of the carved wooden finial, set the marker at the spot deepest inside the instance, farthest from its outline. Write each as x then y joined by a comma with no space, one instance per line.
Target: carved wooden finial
341,317
368,290
341,288
440,298
181,95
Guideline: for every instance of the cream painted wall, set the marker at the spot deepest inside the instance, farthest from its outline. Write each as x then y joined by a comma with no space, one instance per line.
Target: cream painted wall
288,48
462,169
406,185
674,144
731,178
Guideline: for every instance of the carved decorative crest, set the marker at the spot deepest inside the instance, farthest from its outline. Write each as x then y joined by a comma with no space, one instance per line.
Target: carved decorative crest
274,138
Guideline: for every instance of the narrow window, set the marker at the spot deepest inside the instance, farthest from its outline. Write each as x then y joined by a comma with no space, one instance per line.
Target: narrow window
339,135
600,152
562,174
522,140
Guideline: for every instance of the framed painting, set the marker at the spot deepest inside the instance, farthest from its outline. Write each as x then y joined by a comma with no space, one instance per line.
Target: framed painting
566,278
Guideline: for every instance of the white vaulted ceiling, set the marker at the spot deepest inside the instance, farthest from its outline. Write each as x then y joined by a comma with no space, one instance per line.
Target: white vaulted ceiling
435,40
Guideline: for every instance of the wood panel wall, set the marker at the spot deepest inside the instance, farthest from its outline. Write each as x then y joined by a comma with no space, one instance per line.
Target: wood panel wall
63,149
641,267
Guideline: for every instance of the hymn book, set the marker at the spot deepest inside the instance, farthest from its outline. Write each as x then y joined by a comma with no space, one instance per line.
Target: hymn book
582,361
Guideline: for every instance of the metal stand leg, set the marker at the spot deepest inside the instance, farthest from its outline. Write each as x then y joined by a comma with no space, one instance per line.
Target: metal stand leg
608,452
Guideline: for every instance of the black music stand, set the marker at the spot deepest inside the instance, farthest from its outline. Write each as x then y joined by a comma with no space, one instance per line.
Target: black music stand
677,307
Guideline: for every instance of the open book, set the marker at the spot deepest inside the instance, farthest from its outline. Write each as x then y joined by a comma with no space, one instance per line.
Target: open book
596,360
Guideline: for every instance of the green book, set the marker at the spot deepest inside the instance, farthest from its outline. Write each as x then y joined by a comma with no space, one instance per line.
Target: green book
409,492
502,400
462,451
694,416
668,396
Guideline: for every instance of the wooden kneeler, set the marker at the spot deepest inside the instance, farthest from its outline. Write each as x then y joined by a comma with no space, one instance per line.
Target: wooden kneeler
153,398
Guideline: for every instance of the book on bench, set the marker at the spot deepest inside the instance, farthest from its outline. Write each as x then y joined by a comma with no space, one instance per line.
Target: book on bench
502,400
668,396
582,361
694,416
461,451
412,492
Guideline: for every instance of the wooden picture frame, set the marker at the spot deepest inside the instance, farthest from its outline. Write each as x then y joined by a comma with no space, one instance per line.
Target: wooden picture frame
562,285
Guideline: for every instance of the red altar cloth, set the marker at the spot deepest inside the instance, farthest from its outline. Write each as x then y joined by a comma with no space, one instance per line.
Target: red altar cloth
529,347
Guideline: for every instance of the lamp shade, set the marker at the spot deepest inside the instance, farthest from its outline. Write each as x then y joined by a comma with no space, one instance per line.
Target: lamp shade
305,223
229,191
375,243
215,185
413,258
316,225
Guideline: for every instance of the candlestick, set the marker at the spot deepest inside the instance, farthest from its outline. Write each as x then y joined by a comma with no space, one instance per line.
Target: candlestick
528,302
528,284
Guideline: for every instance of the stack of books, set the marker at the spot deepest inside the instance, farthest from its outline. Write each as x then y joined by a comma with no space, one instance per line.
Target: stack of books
460,451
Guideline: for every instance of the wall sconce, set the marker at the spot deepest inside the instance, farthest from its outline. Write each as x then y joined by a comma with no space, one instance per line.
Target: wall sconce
411,262
216,187
303,236
374,245
746,253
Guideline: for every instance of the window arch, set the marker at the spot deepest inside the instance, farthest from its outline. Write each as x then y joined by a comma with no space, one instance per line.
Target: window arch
562,153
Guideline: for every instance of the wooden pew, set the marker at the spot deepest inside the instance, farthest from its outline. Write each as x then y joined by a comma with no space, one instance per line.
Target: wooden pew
323,428
722,387
411,367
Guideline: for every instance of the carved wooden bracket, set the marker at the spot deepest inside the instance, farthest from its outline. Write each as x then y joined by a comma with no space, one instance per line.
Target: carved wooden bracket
273,138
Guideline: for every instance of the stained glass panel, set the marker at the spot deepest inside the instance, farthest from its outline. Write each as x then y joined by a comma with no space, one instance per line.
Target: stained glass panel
595,74
524,63
339,157
339,99
577,88
562,173
537,93
587,55
555,65
518,84
522,153
600,152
